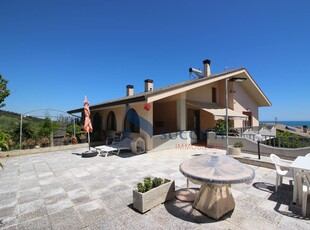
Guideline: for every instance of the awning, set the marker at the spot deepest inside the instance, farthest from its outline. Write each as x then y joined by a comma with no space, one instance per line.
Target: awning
217,111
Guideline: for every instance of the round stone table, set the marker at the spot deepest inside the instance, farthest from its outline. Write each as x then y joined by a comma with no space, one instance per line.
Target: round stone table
215,173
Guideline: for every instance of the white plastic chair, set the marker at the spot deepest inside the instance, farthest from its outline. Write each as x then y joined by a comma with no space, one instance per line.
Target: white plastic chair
282,169
304,181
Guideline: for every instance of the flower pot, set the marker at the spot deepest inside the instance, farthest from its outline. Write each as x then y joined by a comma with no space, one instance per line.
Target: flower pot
145,201
233,151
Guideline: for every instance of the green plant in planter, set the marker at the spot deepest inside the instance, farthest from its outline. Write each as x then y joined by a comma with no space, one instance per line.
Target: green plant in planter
140,187
238,144
157,182
149,184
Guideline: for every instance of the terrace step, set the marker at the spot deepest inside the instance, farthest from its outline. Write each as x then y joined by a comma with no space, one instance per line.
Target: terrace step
252,159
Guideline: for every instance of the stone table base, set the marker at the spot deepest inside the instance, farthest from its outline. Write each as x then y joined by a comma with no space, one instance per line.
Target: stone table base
214,200
186,194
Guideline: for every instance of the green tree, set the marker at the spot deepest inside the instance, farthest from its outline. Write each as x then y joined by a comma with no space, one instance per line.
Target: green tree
288,140
46,128
220,126
70,129
27,131
4,92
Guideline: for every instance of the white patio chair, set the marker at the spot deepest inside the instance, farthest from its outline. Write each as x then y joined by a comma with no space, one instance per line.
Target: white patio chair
118,137
304,181
282,169
114,148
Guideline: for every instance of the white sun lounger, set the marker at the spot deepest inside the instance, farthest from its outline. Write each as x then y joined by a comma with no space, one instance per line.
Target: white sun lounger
116,148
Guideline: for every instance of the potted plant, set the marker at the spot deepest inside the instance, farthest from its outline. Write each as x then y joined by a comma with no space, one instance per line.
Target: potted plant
235,149
66,139
44,141
31,143
82,138
74,140
152,193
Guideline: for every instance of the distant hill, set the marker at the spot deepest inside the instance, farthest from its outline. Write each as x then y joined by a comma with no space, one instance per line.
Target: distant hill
10,121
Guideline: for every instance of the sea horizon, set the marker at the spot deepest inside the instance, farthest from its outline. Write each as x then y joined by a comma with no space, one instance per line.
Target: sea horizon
288,123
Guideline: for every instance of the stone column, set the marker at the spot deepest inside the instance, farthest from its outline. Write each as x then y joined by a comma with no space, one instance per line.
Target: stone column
181,112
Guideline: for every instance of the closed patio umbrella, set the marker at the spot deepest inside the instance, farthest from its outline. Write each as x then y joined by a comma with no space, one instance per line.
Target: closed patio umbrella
87,122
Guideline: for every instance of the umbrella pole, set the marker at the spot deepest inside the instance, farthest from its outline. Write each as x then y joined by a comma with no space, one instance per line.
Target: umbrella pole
88,141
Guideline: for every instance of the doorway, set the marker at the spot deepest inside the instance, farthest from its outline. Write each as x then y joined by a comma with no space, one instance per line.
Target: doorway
193,122
248,121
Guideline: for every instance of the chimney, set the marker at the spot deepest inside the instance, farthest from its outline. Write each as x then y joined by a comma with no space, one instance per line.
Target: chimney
206,67
148,85
129,90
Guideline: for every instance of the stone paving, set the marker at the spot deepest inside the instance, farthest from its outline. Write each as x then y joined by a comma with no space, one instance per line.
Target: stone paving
61,190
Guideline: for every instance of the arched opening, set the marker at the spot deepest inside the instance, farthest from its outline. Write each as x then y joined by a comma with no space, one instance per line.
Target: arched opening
132,122
111,122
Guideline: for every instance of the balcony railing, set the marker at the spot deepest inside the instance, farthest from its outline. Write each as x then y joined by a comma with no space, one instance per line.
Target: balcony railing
282,141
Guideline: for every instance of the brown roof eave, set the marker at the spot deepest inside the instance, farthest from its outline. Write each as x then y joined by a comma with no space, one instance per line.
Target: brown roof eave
108,104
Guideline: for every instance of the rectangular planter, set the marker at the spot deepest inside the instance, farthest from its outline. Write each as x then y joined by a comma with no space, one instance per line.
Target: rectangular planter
145,201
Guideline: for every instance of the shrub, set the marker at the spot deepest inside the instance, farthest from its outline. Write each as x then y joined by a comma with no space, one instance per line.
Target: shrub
74,140
220,126
140,187
4,138
156,182
238,144
82,137
149,184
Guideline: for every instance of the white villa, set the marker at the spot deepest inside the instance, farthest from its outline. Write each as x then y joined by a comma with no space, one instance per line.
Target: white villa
178,113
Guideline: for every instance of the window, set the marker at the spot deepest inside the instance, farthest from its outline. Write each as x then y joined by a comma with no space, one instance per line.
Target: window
214,94
111,122
132,122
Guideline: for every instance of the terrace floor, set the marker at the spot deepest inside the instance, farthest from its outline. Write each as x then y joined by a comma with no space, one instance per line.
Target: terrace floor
61,190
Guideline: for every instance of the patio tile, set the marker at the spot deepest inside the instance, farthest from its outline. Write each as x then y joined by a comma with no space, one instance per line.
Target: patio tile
294,222
8,202
45,174
91,212
28,183
55,191
38,223
128,215
114,203
54,199
64,175
7,195
47,180
31,210
61,190
79,172
266,215
70,185
79,196
66,219
8,222
28,195
237,216
59,205
258,223
8,211
108,222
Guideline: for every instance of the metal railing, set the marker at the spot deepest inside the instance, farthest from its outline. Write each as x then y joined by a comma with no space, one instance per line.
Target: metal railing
282,141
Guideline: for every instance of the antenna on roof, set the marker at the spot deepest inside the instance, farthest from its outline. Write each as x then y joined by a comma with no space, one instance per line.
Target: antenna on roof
197,72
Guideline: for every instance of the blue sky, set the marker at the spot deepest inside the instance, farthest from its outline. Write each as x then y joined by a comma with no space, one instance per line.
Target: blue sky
53,52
